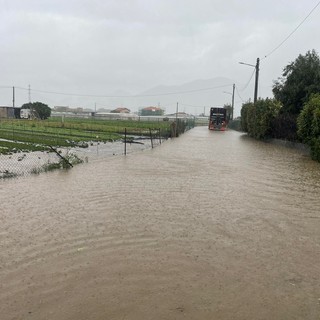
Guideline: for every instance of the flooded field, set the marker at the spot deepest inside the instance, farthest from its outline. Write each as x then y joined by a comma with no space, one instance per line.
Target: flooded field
209,225
25,163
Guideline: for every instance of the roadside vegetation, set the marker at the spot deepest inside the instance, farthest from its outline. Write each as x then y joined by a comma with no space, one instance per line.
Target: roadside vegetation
294,112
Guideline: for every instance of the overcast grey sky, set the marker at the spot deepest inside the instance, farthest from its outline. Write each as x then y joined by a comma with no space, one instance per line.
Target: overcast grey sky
125,47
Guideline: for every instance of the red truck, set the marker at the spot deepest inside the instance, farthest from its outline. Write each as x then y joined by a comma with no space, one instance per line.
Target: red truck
218,119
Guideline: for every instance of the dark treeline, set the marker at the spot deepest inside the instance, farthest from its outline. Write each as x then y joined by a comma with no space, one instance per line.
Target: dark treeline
294,112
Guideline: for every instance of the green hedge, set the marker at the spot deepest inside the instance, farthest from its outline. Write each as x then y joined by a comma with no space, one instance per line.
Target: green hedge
309,125
256,119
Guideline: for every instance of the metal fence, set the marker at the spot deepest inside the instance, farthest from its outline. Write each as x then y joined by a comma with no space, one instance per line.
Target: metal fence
18,163
21,163
24,163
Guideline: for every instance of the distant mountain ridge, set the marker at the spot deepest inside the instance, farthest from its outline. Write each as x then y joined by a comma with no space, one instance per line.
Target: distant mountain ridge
198,84
193,97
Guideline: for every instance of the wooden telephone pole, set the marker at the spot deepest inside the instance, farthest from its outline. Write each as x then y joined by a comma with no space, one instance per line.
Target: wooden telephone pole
232,105
255,98
256,82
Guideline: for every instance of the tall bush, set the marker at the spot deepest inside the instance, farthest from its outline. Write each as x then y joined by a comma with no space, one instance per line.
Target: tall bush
308,120
244,116
309,125
256,119
284,126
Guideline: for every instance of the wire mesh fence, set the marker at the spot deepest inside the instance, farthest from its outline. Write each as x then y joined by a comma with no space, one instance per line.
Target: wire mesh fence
34,147
20,163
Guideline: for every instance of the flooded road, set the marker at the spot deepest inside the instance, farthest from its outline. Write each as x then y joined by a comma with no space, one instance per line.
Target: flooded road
207,226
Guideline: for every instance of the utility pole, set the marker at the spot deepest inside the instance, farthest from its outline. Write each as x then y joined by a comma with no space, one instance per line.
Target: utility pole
29,91
177,111
176,133
257,78
232,105
13,97
256,82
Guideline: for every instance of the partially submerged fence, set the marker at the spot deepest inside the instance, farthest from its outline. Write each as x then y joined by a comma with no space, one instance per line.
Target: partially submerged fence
26,152
20,163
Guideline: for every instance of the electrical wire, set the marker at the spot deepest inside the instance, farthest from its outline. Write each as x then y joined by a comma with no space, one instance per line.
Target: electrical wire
245,87
124,96
190,105
300,24
239,94
6,87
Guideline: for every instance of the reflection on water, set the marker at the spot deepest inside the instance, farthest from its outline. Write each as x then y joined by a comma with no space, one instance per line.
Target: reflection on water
207,226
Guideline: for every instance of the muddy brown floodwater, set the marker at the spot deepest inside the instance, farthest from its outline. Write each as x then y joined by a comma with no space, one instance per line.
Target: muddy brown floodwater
207,226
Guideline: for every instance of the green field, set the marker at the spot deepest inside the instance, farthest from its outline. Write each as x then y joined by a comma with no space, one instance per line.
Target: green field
34,135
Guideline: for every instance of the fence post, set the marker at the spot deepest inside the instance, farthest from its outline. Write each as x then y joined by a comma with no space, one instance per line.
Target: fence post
125,141
160,135
151,138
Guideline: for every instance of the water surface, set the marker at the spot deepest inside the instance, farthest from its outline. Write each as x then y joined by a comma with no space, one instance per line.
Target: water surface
207,226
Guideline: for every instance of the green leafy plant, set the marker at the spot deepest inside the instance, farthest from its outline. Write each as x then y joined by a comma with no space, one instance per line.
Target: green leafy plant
309,125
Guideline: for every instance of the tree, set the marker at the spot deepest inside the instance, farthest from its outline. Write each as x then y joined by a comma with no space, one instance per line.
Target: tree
38,109
300,79
228,107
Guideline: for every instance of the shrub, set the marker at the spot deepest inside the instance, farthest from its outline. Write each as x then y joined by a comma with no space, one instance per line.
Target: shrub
306,121
309,125
315,149
244,116
256,119
284,126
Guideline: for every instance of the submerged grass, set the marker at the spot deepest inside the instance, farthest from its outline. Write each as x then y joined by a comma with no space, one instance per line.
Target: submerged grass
64,163
8,147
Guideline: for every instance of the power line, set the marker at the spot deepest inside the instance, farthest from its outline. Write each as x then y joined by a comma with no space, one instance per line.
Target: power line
124,96
239,94
245,87
192,106
300,24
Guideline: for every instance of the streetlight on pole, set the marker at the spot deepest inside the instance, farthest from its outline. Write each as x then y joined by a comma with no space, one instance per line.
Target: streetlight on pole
257,78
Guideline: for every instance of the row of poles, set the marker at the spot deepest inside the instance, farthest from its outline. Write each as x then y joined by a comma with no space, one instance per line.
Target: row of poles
151,138
14,96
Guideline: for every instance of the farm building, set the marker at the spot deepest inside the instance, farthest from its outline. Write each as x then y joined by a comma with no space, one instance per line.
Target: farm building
152,111
6,112
121,110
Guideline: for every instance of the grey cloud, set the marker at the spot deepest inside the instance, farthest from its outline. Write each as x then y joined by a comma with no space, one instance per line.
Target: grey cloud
98,47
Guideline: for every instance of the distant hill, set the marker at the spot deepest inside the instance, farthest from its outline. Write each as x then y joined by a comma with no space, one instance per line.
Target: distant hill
190,86
192,96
